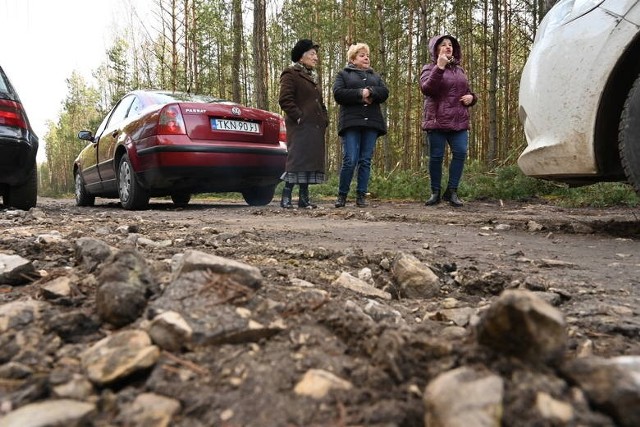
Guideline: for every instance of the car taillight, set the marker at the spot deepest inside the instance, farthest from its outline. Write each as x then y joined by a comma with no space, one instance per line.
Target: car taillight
282,136
12,114
170,121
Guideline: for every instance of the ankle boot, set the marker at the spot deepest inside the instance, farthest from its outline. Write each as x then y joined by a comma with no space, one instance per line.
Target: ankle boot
361,200
434,199
285,202
451,196
303,200
341,201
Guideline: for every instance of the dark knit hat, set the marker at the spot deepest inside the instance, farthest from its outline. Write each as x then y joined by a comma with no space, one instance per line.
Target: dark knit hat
301,47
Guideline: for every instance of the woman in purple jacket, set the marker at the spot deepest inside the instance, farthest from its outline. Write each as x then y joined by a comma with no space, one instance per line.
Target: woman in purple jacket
447,100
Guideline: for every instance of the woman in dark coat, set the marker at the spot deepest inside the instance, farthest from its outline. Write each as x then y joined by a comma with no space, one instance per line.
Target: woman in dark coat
448,97
359,90
306,120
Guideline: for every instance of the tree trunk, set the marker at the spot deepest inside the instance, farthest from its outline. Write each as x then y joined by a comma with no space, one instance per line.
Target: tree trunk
260,50
387,152
237,51
492,143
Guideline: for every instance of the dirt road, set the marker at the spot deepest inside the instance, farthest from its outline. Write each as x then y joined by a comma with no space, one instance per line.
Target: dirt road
588,259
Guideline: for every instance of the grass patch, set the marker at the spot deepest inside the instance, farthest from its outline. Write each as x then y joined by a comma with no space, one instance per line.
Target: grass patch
502,183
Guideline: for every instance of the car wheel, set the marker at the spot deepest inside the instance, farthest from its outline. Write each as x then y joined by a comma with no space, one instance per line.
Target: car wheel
132,195
259,196
181,199
629,136
25,195
83,198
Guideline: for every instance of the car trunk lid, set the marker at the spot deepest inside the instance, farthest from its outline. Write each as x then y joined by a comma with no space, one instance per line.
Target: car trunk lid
230,122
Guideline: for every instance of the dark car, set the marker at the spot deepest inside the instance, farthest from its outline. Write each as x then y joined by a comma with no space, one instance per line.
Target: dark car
157,143
18,150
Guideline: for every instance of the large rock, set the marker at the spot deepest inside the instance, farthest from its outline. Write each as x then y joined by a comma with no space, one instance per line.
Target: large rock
317,383
125,285
204,292
90,253
350,282
170,331
519,323
18,314
118,356
149,409
464,397
611,385
414,279
61,412
15,270
219,268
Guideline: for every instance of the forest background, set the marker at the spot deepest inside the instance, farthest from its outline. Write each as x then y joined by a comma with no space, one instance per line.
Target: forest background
236,49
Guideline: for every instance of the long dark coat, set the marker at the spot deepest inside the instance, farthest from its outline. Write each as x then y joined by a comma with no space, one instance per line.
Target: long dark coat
347,91
306,120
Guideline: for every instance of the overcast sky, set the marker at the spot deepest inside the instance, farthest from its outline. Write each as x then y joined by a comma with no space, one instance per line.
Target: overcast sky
44,41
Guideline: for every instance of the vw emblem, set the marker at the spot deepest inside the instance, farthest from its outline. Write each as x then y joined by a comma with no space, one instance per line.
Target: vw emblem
236,111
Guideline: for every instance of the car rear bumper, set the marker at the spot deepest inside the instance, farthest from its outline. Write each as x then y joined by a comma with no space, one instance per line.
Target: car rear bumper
17,157
164,181
215,168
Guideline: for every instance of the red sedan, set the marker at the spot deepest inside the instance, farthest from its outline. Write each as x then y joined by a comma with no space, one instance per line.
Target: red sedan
155,143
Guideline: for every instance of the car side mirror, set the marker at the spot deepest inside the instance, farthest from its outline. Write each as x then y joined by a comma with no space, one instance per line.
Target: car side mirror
85,135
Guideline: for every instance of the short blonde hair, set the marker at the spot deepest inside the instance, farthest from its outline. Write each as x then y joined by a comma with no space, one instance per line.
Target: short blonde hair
355,48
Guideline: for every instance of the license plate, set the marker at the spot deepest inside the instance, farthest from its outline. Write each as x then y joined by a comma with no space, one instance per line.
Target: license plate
235,125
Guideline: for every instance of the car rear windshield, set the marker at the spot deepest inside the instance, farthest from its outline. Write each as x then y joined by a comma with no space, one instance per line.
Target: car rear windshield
3,85
166,97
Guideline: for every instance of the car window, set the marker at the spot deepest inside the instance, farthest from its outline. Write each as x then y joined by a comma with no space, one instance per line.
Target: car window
121,110
136,107
101,128
167,97
5,86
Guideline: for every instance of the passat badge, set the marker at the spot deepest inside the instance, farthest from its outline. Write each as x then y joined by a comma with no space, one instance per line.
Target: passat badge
236,111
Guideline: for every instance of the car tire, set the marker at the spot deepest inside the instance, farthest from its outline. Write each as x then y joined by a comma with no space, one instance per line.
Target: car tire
132,195
259,196
24,196
83,198
181,199
629,136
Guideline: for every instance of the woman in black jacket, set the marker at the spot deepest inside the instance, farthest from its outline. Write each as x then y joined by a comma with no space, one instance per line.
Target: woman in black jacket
359,91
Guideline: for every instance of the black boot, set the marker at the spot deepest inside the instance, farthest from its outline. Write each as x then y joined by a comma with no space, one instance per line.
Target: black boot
285,202
341,201
361,200
434,199
451,196
303,200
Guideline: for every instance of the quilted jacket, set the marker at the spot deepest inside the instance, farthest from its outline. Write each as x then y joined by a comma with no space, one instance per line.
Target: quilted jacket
442,90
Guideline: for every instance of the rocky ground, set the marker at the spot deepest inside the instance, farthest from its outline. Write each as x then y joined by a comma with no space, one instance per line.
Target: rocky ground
220,314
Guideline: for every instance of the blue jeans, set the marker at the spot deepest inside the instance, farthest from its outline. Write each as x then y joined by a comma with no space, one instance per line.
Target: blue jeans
458,142
357,150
